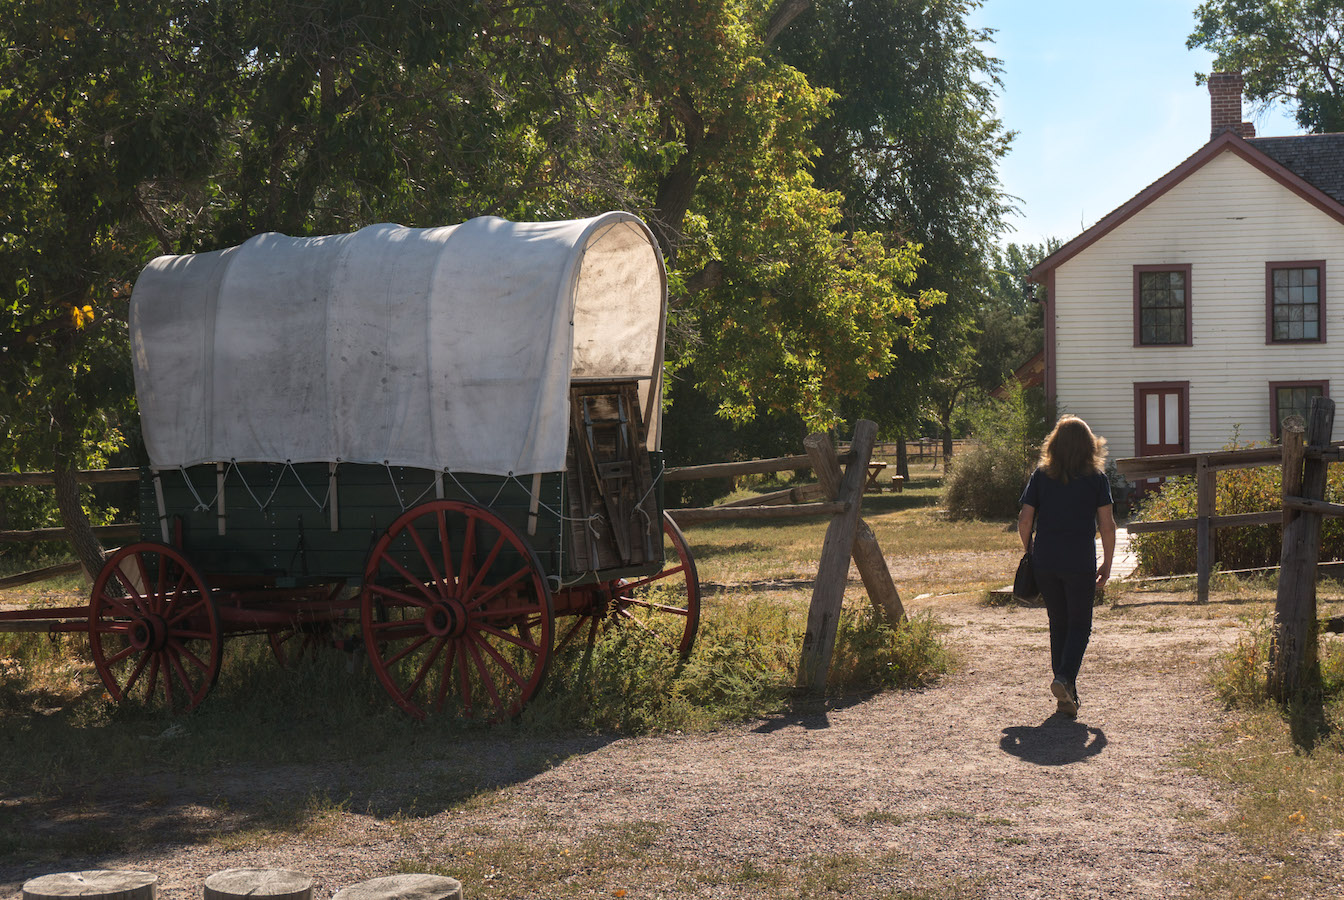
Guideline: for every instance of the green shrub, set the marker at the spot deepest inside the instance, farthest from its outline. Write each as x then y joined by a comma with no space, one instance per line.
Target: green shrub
1238,491
1240,676
985,480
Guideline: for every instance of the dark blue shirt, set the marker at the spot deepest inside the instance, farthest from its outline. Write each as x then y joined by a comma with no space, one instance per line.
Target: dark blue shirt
1066,519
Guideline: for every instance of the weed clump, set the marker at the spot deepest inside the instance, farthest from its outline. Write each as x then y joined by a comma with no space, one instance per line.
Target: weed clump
744,664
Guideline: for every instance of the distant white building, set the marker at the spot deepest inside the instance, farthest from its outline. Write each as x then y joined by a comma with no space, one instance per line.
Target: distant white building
1200,308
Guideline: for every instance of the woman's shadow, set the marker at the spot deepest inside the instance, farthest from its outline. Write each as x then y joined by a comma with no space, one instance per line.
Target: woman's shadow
1057,741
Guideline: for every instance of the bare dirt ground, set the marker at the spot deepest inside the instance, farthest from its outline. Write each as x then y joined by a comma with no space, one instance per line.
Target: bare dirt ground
972,788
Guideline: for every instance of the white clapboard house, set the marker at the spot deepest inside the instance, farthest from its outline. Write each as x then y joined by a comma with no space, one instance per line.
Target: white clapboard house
1201,310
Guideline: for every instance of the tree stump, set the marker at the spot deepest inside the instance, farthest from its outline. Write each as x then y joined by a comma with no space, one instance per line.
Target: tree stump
93,884
273,884
404,887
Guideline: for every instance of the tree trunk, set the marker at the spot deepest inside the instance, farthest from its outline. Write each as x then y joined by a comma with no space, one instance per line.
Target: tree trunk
902,458
947,438
83,542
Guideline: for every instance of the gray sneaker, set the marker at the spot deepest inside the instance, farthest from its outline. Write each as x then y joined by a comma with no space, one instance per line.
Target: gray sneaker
1068,700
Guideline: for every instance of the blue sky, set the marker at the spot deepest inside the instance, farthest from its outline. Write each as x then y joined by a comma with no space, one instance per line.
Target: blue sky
1103,97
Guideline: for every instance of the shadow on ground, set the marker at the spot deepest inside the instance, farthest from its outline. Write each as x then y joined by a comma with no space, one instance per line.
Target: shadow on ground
1058,741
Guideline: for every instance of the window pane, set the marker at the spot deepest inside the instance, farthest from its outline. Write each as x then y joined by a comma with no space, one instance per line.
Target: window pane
1295,300
1173,418
1162,303
1152,419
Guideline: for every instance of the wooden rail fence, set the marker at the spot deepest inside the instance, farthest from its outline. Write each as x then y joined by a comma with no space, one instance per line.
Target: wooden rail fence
1205,467
839,494
1305,455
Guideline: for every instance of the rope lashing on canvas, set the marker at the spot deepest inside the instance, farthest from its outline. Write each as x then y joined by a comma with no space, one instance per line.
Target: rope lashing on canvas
202,505
396,491
590,522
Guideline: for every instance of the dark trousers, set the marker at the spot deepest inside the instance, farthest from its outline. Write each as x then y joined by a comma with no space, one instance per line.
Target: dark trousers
1068,602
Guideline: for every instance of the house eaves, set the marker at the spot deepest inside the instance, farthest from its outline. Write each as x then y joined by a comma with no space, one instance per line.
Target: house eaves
1266,159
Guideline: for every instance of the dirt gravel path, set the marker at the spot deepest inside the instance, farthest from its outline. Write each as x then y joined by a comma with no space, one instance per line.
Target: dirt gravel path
971,788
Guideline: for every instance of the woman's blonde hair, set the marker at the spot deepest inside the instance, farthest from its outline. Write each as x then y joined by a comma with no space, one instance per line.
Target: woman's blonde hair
1072,450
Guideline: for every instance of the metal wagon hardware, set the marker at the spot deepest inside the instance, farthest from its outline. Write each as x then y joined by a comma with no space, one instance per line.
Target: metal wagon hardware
445,440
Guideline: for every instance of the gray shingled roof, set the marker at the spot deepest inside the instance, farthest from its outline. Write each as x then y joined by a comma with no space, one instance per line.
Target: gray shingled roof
1316,158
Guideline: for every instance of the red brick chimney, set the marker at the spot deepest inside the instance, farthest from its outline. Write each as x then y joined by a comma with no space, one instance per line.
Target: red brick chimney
1225,105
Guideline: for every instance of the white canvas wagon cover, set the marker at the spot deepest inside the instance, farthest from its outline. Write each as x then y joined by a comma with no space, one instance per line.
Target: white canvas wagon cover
441,348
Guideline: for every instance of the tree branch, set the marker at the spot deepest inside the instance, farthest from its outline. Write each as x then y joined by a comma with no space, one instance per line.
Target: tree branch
710,276
785,12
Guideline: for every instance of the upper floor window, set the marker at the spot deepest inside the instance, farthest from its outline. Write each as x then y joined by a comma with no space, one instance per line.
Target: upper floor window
1162,305
1295,301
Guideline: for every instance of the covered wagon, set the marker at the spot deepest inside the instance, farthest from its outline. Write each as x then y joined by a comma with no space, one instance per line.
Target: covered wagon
445,438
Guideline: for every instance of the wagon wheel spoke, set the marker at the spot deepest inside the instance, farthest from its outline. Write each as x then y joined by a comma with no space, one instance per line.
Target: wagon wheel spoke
579,623
153,677
175,661
434,576
487,596
118,607
446,548
668,601
653,607
481,637
420,641
464,683
520,642
180,650
425,668
484,570
514,675
466,566
412,579
400,596
122,654
445,676
131,679
134,593
486,680
165,642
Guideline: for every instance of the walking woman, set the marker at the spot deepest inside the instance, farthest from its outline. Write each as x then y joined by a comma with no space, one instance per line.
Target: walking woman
1067,499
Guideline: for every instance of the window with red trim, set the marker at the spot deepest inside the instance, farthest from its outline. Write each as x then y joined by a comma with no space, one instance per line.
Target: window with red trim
1292,398
1162,305
1295,302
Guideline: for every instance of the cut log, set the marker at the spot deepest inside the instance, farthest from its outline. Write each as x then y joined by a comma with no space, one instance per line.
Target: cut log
403,887
273,884
93,884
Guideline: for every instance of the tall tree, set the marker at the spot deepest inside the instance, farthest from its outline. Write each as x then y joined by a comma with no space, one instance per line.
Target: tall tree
784,305
912,146
132,129
1288,51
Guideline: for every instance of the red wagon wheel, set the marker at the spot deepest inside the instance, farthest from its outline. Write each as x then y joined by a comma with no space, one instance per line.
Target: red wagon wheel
456,612
666,602
154,628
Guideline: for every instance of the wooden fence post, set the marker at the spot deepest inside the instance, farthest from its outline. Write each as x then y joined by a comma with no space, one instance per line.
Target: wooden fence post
867,554
828,593
1205,499
1294,431
1293,668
